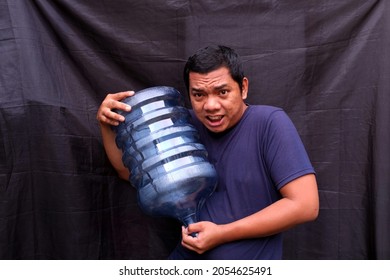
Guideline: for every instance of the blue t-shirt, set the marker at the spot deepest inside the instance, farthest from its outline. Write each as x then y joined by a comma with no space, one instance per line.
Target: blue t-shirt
254,159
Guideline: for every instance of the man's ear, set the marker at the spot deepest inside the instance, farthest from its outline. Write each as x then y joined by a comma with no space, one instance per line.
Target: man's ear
244,88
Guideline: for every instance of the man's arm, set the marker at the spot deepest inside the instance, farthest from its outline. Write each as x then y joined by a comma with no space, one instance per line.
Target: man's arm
299,204
107,118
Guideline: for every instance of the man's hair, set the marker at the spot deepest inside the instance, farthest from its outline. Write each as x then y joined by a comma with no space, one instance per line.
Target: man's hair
211,58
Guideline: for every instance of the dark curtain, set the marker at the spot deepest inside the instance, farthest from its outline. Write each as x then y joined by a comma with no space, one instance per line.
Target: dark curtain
325,62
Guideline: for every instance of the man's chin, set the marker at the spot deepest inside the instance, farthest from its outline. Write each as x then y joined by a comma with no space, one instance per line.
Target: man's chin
215,129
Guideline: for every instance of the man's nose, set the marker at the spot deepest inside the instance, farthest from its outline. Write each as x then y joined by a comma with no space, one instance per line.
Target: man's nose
212,103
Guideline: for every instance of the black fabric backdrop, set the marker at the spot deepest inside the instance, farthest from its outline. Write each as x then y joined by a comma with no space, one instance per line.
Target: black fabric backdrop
326,62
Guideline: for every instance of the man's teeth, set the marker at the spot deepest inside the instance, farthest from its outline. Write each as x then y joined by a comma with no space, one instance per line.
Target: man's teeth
215,118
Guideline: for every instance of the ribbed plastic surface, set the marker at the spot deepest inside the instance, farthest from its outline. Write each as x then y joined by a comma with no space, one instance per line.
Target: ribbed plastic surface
167,162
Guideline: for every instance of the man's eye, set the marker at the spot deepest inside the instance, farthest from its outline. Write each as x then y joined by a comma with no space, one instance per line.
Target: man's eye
197,95
223,92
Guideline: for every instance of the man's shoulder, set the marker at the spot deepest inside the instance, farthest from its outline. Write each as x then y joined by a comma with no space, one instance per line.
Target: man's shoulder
263,111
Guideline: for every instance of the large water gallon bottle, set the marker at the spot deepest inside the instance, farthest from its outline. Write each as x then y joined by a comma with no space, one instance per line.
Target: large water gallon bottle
168,165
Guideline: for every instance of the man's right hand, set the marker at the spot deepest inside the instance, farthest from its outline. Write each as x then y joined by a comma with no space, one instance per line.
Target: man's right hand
106,116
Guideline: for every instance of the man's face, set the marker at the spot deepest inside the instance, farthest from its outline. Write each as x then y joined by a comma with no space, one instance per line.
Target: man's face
217,99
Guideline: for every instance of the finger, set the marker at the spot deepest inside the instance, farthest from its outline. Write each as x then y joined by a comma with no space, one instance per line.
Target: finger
106,120
187,241
113,116
105,115
124,107
191,244
112,102
120,95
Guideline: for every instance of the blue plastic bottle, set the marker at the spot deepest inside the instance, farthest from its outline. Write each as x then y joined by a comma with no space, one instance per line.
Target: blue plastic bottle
168,165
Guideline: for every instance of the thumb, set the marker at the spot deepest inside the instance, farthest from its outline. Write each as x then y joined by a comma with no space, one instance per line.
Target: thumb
195,227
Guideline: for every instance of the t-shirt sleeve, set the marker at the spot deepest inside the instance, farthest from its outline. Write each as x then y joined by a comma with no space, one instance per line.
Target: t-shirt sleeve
285,153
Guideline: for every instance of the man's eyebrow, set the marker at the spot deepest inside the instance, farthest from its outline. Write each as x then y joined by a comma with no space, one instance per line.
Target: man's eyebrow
220,87
196,89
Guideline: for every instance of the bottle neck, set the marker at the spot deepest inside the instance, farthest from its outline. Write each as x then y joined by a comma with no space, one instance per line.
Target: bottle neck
190,219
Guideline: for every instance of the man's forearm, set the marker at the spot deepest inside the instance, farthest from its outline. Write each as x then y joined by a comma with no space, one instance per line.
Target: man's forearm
114,154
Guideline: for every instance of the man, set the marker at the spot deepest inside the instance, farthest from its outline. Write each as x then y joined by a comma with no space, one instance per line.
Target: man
266,181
